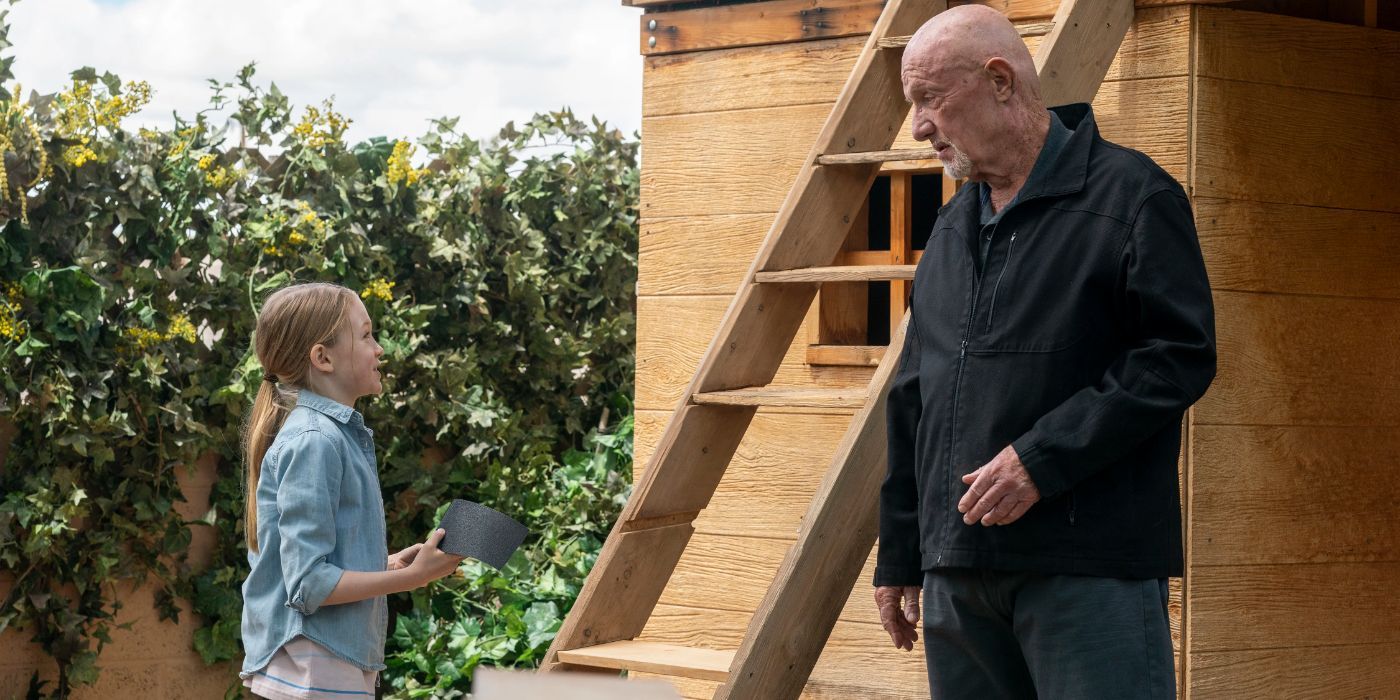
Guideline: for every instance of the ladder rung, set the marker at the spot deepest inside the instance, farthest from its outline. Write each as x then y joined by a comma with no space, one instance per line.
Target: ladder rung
654,657
877,156
839,273
787,397
846,355
1030,29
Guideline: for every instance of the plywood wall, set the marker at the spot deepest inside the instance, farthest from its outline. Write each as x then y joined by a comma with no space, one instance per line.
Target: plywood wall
1293,561
723,135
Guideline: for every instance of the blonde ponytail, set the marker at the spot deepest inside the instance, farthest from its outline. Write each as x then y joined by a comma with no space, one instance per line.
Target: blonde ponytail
293,320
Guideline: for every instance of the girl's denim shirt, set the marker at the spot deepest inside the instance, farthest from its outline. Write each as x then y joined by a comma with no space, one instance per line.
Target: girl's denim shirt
320,514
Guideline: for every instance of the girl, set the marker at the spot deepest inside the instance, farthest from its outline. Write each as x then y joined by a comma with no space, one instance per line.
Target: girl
314,609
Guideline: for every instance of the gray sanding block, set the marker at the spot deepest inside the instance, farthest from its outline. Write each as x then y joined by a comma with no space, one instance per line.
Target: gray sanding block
473,530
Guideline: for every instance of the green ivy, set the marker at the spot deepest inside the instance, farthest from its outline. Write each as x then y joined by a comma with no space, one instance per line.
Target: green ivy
501,275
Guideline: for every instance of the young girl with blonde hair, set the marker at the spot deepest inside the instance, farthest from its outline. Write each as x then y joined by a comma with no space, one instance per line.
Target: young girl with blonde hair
314,607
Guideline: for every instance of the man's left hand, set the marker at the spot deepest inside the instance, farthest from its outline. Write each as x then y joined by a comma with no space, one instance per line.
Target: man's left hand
1000,491
404,557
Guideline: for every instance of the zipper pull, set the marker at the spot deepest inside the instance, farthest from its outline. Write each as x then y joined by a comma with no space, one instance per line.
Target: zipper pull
963,352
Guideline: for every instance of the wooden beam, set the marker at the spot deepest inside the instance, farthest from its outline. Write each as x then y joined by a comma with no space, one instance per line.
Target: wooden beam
755,24
654,657
839,273
845,355
790,397
1094,31
869,157
1023,28
790,627
901,241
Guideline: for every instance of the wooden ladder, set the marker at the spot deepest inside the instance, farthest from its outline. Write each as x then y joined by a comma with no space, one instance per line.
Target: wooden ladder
789,629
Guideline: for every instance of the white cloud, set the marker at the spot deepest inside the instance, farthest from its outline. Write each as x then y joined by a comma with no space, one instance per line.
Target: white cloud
391,66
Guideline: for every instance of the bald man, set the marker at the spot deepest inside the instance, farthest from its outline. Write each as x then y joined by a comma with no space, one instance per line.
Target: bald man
1061,325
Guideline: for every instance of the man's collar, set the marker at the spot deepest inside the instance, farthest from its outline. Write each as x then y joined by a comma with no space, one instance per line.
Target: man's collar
321,404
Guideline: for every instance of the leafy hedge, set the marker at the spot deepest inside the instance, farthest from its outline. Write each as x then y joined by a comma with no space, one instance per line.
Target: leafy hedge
501,276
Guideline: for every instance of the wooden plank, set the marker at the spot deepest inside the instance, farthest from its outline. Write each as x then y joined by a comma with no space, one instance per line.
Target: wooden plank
751,499
1277,50
1263,143
622,595
790,628
1091,33
725,162
1255,496
791,397
857,655
1281,248
698,255
843,308
752,24
654,657
840,273
1295,360
901,243
1022,28
847,355
908,154
673,333
1234,608
808,73
1347,671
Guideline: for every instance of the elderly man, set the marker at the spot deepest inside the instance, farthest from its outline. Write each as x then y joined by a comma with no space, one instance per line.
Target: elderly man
1062,324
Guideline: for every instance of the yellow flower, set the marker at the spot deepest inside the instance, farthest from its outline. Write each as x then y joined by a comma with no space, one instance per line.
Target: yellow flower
206,161
400,169
11,326
317,129
271,249
180,327
143,338
78,155
296,238
220,177
378,288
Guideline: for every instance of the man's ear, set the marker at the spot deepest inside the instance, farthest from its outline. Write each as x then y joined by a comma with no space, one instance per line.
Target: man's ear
1003,77
320,359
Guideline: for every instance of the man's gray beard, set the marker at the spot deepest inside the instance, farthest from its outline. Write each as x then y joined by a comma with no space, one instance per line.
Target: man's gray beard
959,167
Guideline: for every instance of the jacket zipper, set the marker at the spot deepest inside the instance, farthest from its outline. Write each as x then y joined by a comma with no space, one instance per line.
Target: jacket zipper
1071,506
957,392
1009,252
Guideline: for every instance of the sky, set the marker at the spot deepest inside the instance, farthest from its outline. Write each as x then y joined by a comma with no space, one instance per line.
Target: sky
391,65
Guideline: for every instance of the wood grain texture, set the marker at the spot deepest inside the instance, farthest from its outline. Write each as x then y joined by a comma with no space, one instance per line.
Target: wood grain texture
745,162
847,355
857,655
673,333
1277,50
1280,495
1295,360
790,627
1235,608
1073,58
1312,673
805,73
653,657
1281,248
789,397
842,273
771,479
1269,143
698,255
753,24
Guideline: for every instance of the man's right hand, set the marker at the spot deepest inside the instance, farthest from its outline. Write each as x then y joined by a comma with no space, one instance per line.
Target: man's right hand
899,613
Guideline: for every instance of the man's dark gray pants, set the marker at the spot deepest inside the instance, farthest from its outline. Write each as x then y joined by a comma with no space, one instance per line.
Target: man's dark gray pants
991,634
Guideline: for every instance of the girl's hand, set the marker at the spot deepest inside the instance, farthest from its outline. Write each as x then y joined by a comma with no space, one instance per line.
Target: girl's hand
430,563
403,558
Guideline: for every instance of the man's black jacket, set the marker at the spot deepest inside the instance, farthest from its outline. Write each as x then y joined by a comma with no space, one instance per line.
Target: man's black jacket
1081,344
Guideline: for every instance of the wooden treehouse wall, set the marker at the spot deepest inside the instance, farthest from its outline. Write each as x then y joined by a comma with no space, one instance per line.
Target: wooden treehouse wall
1293,553
723,135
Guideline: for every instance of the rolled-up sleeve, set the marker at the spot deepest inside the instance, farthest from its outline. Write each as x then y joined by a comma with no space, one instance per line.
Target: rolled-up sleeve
309,469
